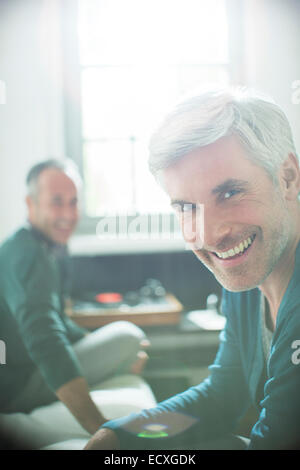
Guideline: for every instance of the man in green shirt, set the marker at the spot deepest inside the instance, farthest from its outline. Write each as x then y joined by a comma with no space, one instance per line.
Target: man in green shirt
48,357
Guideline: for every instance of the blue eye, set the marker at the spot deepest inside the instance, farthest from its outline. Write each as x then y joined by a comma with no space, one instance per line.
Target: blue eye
230,193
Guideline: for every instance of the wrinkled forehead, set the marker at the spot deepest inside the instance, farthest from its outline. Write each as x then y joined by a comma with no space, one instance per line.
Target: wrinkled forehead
208,167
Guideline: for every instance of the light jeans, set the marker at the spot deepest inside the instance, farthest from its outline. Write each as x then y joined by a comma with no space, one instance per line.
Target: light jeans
104,353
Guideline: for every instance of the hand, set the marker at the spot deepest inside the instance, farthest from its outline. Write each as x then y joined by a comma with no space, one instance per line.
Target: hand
104,439
141,359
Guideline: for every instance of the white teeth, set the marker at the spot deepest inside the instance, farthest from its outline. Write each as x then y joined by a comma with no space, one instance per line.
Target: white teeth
236,250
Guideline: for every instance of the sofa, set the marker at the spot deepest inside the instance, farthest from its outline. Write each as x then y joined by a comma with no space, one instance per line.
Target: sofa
53,427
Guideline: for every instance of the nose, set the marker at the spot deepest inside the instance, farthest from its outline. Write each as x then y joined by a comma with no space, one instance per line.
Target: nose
192,225
205,228
216,228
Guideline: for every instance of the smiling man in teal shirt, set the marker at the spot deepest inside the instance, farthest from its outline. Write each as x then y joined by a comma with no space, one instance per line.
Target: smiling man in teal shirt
226,159
48,357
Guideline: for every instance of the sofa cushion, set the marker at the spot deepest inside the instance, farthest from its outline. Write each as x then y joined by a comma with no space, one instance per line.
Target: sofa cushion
54,423
71,444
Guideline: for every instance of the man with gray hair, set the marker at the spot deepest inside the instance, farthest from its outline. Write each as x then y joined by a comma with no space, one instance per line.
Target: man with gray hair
230,154
48,356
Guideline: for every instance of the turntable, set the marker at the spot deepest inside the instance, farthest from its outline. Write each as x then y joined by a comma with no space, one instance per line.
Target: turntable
149,305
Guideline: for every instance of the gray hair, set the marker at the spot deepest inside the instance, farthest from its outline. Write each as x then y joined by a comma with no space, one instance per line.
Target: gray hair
203,118
65,165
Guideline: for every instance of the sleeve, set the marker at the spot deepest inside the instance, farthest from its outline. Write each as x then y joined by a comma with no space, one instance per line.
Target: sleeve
75,332
278,426
32,296
206,411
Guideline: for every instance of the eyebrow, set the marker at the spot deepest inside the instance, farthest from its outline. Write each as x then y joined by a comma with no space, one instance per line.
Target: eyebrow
58,197
227,185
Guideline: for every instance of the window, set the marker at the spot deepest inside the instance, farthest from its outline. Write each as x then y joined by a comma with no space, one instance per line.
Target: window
134,59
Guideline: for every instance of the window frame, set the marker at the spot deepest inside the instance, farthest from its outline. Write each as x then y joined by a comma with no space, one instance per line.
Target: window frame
71,78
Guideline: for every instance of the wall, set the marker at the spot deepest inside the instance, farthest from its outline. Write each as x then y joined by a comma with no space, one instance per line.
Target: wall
31,121
272,52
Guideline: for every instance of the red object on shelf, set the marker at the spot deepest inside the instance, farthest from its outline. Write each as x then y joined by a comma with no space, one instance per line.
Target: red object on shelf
109,297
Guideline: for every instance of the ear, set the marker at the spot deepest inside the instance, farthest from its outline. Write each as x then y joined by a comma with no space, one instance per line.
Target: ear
289,177
30,203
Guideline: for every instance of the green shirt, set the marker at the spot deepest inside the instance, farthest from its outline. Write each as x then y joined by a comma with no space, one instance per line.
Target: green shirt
33,325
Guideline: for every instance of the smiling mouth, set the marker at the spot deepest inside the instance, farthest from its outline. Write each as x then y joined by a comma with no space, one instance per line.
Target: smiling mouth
237,250
64,227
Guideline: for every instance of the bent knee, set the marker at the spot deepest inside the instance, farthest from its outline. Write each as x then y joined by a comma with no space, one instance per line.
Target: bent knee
128,329
129,334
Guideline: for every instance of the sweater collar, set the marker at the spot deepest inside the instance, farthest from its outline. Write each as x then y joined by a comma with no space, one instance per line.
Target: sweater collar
56,249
